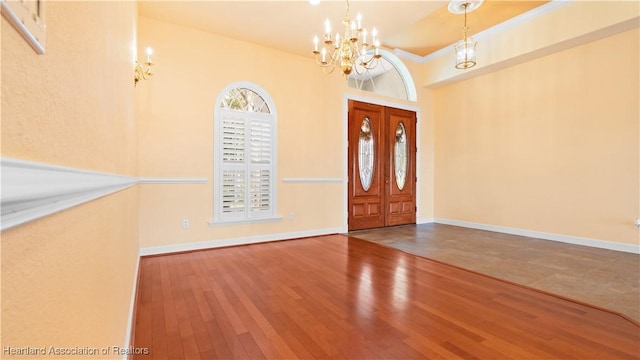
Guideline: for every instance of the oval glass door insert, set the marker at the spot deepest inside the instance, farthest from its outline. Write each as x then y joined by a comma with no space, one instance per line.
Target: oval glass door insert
366,154
400,156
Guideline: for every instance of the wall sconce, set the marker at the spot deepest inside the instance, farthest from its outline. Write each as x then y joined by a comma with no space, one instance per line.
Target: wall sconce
143,71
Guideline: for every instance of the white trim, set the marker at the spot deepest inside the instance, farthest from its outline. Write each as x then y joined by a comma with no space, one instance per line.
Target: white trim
32,190
345,164
157,250
604,244
132,306
173,180
420,221
312,180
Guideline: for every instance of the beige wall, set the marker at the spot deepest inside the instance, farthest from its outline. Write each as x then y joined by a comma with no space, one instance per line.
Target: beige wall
176,109
549,145
67,279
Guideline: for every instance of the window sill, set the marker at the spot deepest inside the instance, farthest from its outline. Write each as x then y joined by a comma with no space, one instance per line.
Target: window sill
214,223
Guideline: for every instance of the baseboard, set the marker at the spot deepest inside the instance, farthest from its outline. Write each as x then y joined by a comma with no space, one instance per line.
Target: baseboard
603,244
158,250
132,309
424,221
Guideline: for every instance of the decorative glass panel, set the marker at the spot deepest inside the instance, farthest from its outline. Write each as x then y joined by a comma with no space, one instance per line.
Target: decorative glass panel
400,156
245,100
366,154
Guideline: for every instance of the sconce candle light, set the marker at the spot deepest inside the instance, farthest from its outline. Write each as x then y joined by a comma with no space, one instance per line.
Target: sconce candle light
143,71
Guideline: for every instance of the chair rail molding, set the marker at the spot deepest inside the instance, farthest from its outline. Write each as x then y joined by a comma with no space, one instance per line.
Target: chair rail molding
302,180
32,190
173,180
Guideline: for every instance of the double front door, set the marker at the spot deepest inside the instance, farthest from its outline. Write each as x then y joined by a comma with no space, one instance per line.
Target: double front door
382,166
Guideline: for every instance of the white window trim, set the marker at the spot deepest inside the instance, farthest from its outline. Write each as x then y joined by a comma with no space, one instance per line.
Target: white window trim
217,205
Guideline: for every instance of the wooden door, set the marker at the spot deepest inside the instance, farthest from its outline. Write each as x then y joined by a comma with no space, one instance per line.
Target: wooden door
381,160
400,177
366,166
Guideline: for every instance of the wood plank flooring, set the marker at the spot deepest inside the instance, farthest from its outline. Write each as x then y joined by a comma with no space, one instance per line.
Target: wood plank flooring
345,298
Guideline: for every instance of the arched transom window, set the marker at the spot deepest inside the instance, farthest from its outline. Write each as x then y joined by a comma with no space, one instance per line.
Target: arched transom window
390,78
245,100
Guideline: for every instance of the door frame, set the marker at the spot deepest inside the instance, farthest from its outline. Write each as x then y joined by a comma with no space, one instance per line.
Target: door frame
345,150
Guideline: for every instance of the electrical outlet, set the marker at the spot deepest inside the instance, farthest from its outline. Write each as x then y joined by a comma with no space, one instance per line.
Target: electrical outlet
185,223
292,215
638,223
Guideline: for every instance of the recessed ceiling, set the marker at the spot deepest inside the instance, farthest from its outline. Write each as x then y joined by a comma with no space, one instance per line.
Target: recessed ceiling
419,27
442,28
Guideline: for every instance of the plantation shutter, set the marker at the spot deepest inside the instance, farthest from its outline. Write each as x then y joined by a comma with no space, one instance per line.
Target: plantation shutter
261,143
233,188
246,165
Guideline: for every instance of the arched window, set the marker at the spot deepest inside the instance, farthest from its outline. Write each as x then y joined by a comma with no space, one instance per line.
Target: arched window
390,78
245,129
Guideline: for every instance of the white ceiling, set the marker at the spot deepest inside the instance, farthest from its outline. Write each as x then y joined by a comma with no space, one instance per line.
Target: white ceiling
286,25
419,27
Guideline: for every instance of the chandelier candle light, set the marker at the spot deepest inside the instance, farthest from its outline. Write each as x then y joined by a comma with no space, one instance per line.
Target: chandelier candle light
346,50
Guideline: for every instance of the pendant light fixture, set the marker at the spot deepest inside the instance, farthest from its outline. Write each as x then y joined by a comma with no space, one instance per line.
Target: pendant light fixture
466,48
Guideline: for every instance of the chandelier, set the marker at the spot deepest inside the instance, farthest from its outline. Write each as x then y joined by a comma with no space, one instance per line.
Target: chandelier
465,48
349,51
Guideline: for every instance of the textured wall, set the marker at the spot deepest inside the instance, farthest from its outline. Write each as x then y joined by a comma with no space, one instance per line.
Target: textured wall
67,279
176,110
549,145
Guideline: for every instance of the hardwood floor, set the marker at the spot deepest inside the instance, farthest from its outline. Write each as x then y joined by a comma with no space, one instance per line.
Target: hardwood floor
345,298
